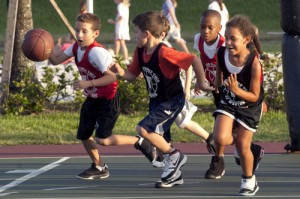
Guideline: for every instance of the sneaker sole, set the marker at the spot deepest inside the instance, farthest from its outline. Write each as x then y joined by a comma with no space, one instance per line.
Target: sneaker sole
165,185
249,193
182,162
215,177
178,181
94,177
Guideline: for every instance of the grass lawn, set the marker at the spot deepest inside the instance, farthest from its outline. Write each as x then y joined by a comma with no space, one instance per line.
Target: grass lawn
61,127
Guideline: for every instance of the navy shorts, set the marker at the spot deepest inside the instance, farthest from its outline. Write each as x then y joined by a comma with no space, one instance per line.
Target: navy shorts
247,117
100,115
162,114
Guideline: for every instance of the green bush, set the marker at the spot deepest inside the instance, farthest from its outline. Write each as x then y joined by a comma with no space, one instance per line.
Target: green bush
34,96
273,83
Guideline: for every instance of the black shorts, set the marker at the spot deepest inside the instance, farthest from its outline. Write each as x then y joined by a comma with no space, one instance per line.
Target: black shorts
247,117
100,115
162,114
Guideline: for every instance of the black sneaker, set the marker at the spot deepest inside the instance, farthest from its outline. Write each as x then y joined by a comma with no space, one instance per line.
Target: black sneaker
173,162
210,144
95,172
249,186
258,153
216,168
146,148
177,180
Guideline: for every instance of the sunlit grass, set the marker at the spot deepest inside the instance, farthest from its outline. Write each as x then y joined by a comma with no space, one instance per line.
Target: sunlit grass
61,127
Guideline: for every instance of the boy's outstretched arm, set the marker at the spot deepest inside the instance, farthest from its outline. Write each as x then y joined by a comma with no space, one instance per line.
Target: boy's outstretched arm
58,56
199,72
124,73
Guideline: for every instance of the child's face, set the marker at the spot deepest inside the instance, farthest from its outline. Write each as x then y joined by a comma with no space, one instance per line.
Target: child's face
140,37
209,29
85,34
235,41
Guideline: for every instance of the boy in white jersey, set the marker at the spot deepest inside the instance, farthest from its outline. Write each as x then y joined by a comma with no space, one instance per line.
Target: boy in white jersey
101,108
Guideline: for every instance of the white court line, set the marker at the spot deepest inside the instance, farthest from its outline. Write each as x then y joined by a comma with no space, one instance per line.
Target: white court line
6,194
66,188
32,174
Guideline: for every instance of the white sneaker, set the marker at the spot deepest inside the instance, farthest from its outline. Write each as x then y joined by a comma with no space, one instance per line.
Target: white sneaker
173,162
186,114
248,186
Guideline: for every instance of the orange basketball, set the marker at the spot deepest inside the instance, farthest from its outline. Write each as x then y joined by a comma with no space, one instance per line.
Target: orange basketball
37,44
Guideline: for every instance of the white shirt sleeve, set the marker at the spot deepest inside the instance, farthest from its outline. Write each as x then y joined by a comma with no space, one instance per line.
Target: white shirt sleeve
196,41
100,58
69,51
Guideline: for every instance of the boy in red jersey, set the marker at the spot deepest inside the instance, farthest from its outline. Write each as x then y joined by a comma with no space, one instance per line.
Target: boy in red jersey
160,66
102,106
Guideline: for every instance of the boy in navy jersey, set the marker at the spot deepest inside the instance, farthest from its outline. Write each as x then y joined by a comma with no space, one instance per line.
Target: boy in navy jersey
160,66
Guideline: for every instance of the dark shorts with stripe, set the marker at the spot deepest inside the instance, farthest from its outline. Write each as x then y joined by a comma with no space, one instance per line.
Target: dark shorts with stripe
100,115
247,117
162,114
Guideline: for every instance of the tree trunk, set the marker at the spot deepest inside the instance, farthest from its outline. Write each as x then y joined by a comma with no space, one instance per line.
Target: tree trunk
24,23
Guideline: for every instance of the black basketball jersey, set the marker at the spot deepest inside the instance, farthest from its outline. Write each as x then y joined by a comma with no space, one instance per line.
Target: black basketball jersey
244,79
159,87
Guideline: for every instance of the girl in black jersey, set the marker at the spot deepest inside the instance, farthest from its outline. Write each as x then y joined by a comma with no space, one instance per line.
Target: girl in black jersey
239,82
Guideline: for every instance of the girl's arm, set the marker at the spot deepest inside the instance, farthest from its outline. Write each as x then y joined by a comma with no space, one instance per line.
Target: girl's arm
253,94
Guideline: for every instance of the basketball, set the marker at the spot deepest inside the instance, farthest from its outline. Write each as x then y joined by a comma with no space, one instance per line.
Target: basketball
37,44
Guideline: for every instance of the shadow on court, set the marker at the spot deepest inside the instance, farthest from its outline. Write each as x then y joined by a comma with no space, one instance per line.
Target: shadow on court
133,177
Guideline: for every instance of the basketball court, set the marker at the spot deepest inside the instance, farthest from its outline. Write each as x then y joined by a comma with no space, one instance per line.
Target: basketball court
132,176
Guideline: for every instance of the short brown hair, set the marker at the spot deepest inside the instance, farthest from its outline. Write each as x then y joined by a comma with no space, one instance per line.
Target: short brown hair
90,18
153,21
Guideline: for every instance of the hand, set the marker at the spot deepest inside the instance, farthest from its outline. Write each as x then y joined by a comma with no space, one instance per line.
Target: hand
59,41
203,86
116,68
232,82
57,50
77,85
210,144
187,95
111,21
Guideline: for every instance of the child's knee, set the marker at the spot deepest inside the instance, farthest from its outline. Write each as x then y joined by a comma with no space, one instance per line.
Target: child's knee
103,142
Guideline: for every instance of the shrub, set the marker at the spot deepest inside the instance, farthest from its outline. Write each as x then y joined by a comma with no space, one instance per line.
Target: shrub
273,82
54,89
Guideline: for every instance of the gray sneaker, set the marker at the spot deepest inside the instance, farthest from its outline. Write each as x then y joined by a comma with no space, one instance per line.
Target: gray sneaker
94,172
173,162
